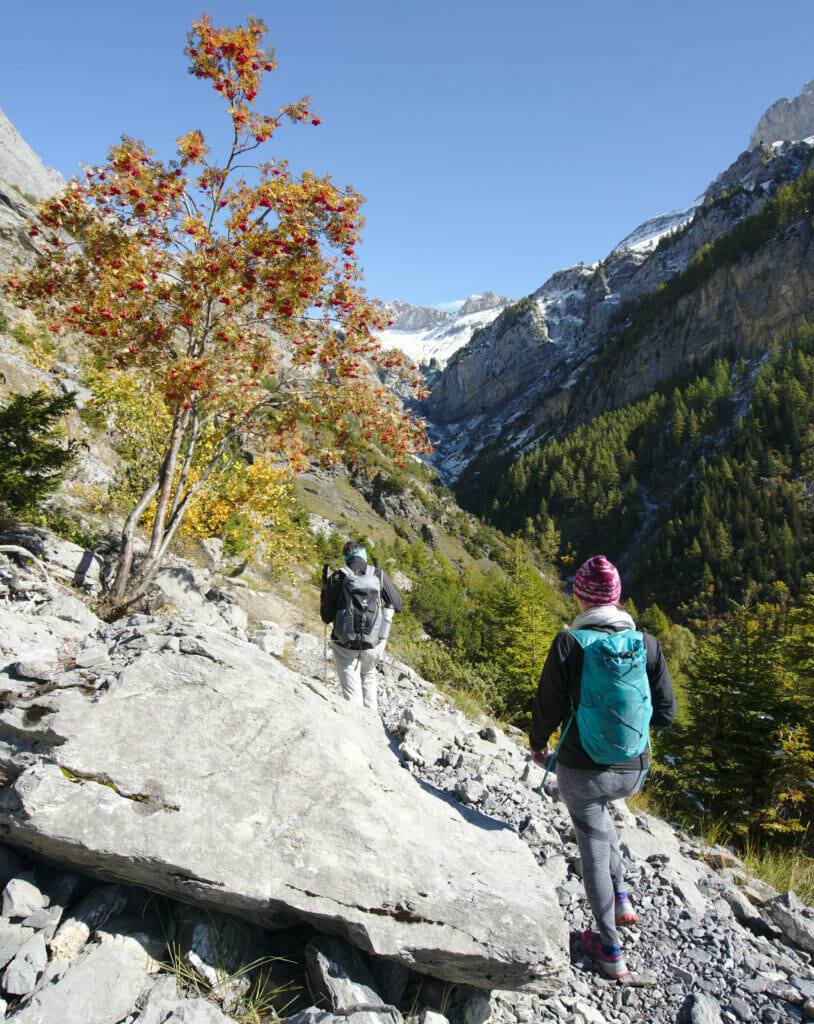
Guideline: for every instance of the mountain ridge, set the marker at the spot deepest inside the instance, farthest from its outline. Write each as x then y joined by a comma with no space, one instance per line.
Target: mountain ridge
786,120
499,386
21,167
541,368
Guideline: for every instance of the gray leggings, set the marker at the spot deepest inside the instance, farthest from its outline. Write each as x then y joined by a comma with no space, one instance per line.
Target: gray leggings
586,795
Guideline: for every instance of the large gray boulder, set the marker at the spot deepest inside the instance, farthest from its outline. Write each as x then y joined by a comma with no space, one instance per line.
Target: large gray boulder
194,764
794,919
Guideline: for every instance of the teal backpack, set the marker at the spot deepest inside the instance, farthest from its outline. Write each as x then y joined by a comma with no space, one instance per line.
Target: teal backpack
615,706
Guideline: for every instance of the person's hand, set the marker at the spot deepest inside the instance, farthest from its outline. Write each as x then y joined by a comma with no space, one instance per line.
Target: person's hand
543,756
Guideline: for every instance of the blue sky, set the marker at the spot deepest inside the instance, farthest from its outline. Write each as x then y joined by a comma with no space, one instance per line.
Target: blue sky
495,142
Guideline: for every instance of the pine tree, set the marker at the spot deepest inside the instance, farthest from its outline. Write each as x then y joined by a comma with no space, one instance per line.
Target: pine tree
738,700
33,454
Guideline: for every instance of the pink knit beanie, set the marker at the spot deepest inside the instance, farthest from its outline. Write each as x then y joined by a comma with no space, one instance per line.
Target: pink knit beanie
597,582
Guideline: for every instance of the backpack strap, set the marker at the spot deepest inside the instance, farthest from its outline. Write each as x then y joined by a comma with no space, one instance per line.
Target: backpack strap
375,571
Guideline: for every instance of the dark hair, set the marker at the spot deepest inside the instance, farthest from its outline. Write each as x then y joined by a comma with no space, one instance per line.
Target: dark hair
352,547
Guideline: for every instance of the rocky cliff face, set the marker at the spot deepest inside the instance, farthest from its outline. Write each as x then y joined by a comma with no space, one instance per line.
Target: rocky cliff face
497,359
21,167
744,308
786,119
15,220
522,375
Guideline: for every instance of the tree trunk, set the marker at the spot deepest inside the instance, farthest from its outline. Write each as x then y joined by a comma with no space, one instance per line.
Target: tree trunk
130,584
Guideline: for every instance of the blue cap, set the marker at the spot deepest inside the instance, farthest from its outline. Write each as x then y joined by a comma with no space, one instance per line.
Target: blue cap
361,553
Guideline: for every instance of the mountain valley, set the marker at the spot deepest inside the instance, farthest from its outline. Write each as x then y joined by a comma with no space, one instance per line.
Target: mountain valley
658,406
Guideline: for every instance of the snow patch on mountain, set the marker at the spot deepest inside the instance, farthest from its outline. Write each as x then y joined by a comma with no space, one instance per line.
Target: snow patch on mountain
647,236
425,334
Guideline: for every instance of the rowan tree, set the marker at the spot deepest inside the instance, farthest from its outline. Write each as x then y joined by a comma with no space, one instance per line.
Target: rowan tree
230,289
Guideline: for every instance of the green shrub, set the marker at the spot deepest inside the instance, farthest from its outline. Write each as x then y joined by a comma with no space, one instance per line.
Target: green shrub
33,456
22,335
237,537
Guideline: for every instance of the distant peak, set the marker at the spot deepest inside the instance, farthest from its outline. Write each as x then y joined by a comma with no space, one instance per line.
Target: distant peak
408,318
479,303
786,120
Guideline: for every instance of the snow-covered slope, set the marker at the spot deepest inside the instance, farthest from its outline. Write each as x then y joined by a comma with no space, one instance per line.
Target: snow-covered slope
648,235
426,334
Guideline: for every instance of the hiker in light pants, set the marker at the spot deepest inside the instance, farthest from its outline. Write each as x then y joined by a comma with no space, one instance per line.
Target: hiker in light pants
357,673
356,667
585,785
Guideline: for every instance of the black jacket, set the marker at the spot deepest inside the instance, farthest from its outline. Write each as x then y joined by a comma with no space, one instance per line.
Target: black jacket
329,599
560,683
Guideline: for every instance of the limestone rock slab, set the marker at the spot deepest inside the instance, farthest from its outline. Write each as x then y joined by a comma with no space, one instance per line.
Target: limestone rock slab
214,774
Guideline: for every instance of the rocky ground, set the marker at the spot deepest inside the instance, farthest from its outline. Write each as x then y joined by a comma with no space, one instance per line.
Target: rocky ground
712,944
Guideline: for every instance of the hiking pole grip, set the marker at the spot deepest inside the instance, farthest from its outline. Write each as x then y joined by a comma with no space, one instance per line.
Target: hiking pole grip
325,573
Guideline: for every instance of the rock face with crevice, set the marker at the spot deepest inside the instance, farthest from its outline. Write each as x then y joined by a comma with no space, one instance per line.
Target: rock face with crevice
184,759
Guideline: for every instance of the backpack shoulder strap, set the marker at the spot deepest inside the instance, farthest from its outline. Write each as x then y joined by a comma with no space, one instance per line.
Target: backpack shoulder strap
374,570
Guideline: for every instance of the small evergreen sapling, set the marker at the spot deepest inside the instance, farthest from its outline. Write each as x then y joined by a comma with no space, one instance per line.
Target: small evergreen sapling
33,455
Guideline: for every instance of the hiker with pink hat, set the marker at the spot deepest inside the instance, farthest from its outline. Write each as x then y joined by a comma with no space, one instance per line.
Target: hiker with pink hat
603,682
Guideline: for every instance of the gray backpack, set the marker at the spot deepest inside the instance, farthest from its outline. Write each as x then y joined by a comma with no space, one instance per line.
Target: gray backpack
359,618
